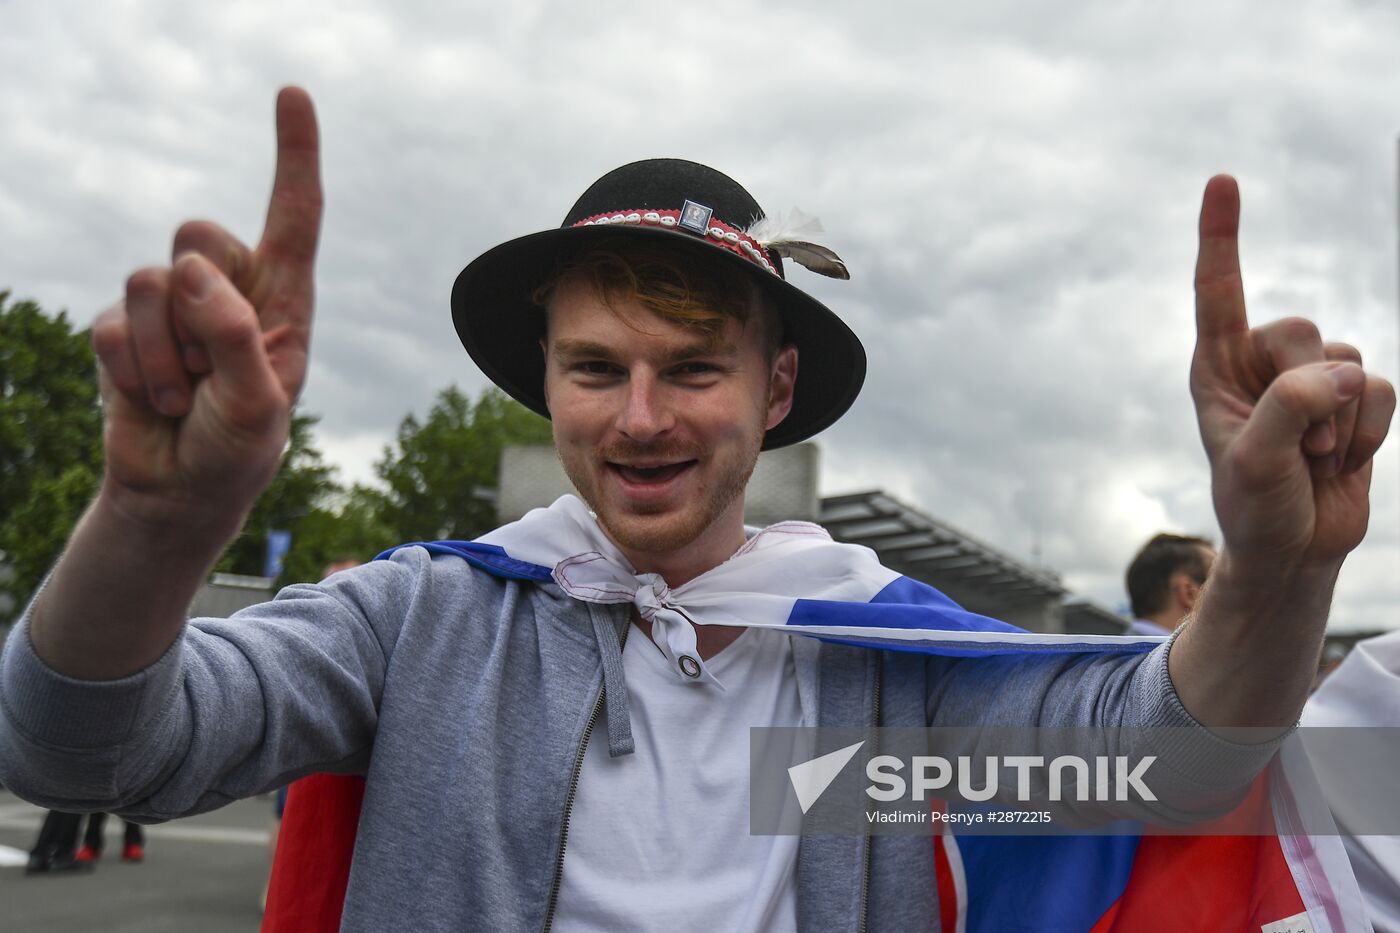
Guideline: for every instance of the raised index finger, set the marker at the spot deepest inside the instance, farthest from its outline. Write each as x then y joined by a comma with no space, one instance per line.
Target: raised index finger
294,211
1219,287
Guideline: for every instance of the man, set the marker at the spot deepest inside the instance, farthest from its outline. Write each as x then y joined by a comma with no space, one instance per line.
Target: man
1164,581
464,681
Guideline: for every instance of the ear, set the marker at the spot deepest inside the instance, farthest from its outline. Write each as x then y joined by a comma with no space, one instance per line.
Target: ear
781,385
1187,590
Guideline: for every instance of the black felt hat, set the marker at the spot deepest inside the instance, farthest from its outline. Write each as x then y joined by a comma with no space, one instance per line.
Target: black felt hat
695,207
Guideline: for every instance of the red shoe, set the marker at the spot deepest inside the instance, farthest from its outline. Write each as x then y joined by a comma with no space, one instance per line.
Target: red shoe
133,852
87,855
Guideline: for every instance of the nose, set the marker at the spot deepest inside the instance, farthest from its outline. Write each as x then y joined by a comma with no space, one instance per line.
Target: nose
645,413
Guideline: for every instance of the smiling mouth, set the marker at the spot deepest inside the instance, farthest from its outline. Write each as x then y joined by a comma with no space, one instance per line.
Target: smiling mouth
650,475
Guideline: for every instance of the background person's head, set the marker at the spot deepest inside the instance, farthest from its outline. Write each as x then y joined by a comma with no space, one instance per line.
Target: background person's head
1165,578
343,562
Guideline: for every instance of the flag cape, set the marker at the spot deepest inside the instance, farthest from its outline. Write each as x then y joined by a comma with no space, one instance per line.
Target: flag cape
1286,883
1363,691
792,576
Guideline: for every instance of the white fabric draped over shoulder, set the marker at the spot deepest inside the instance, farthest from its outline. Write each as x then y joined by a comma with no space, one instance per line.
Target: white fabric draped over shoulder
790,576
1364,690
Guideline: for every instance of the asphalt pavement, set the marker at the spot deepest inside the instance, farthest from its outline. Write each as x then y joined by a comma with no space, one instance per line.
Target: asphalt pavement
203,873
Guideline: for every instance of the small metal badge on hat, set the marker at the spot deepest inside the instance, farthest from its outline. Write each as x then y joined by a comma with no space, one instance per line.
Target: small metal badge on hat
696,217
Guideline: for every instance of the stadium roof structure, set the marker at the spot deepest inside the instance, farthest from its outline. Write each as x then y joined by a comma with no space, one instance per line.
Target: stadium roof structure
922,546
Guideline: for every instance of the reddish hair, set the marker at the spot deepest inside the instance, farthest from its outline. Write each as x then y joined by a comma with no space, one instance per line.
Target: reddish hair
684,287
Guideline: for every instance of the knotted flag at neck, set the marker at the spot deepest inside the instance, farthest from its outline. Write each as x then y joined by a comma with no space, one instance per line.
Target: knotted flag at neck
790,576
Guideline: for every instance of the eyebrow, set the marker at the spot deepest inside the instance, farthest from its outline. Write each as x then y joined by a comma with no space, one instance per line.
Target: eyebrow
576,349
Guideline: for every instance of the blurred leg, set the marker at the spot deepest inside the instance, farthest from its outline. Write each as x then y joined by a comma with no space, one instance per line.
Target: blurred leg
93,838
55,849
133,843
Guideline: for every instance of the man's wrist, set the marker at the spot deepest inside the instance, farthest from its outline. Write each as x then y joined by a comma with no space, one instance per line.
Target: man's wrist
173,524
1248,654
119,594
1245,592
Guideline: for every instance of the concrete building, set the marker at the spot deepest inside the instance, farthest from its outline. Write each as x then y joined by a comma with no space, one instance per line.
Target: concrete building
226,593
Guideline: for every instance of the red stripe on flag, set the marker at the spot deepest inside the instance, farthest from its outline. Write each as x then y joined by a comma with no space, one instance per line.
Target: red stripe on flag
947,889
306,893
1209,882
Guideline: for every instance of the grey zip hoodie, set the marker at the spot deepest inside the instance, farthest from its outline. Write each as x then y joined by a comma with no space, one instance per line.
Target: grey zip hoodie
466,699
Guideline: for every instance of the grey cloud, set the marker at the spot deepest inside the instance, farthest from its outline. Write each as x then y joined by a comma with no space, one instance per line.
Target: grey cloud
1015,188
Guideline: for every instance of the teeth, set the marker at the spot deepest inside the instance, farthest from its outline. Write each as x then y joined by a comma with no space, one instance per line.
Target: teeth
650,473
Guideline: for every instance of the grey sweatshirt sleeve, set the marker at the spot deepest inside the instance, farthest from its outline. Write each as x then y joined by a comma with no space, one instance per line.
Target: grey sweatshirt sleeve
1105,704
235,707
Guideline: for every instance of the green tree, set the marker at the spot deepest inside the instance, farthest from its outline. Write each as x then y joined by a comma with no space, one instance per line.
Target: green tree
51,464
50,441
349,528
34,533
435,474
304,484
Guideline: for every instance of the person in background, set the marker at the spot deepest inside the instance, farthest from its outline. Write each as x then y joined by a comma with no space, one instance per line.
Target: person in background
1165,580
133,841
56,848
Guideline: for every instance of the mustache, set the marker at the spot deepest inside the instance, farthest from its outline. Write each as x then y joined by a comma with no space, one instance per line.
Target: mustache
671,452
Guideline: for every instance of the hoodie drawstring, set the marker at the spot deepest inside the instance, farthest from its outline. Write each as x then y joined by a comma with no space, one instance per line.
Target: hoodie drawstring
620,740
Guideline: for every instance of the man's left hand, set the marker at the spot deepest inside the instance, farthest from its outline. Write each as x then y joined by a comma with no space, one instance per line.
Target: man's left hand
1290,425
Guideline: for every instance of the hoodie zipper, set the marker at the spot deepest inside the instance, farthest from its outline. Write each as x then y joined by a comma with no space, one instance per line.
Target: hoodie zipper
869,839
572,792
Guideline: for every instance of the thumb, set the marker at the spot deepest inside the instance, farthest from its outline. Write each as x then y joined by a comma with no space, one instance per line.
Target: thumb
1297,399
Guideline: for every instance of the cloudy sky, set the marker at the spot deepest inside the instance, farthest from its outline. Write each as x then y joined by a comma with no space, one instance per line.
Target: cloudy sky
1014,190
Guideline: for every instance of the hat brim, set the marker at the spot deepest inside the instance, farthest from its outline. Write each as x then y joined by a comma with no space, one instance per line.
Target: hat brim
501,327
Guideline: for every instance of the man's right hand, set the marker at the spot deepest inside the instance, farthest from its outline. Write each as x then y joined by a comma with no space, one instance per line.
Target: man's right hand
202,361
200,366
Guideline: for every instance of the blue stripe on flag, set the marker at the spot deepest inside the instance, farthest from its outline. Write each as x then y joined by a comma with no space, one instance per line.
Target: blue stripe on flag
906,604
1045,884
909,604
489,557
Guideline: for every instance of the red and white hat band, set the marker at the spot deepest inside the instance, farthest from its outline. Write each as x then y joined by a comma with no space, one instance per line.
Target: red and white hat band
693,218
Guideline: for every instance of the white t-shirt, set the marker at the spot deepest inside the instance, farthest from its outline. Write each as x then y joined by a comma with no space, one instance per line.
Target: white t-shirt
659,839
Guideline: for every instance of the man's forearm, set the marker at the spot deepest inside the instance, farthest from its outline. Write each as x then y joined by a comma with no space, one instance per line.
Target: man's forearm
118,597
1249,654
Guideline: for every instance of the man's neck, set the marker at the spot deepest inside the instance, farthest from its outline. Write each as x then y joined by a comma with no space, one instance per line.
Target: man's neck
677,567
1168,619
